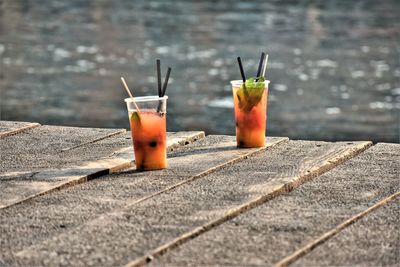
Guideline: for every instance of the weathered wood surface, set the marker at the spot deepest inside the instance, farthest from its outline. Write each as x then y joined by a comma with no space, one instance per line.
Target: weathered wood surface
51,157
214,205
78,204
286,224
373,241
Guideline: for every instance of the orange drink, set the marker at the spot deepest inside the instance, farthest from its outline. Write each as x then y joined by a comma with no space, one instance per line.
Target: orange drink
250,104
148,127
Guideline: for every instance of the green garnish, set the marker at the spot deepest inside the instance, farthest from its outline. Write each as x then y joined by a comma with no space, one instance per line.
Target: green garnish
250,93
135,117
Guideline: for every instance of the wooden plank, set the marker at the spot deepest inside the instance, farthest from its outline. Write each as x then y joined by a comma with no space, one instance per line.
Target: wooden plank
371,241
266,235
78,205
8,128
22,186
147,229
43,148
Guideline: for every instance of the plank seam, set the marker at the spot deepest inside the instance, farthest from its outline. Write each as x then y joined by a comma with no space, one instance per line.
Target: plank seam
94,140
285,188
185,141
326,236
19,130
170,148
64,185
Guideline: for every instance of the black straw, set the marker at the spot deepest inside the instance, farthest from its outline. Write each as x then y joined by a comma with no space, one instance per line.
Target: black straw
260,64
159,76
166,82
241,69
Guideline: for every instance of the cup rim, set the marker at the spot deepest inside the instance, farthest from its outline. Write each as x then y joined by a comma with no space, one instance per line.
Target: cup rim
146,98
240,82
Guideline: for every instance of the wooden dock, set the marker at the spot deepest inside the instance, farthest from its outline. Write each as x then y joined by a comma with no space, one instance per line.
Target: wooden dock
70,197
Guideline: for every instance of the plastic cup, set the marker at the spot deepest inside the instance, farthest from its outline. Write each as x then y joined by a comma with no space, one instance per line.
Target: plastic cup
250,115
148,128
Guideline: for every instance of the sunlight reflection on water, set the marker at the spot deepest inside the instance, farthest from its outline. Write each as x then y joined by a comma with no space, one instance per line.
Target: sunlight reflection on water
333,66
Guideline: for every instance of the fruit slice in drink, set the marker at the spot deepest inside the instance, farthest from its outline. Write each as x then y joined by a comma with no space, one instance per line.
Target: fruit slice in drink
250,103
149,139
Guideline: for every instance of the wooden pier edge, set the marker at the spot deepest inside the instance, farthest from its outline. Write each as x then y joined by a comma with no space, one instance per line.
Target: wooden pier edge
225,190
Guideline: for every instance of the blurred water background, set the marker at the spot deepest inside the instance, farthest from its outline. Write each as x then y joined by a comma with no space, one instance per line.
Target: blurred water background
334,66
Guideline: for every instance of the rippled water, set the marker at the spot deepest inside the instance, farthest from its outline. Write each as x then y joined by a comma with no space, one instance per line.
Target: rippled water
334,65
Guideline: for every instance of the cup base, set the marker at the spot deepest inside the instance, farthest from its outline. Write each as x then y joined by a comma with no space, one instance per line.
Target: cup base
249,146
250,139
150,169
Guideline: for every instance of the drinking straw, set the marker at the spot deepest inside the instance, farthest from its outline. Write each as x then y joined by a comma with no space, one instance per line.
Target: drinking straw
164,89
265,66
166,82
260,64
129,93
159,76
241,70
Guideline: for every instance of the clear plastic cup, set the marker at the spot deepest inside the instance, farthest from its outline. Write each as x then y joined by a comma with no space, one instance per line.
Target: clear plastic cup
250,115
148,129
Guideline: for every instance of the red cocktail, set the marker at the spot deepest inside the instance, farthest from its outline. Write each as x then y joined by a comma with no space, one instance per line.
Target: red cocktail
149,131
250,102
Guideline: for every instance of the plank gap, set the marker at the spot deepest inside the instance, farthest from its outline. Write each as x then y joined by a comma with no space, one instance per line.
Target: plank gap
326,236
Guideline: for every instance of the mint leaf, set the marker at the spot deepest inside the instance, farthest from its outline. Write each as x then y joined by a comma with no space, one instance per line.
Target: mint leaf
250,93
135,117
255,82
